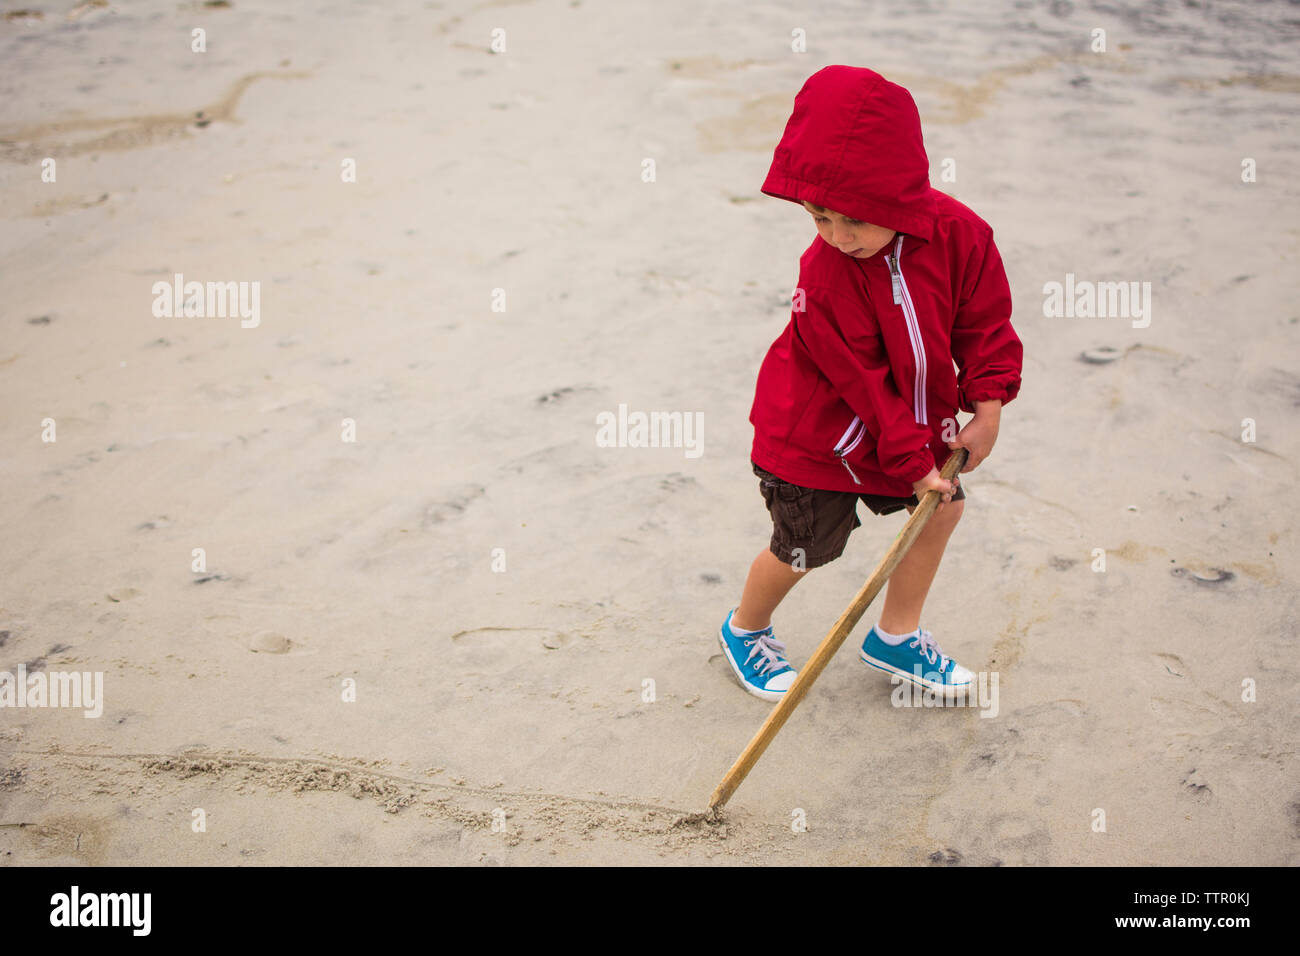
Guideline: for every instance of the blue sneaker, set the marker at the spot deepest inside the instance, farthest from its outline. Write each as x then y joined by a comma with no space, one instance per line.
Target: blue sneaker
918,660
757,661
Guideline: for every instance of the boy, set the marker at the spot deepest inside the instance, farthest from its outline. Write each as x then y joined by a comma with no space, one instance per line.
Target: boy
858,397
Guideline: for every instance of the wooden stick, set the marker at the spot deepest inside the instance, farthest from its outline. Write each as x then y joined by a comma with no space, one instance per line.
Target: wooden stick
839,632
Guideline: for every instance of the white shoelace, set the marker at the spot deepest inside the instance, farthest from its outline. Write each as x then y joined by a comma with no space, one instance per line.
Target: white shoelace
929,649
773,651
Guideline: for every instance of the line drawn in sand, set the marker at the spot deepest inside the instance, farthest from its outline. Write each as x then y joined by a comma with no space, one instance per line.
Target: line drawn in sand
62,138
545,811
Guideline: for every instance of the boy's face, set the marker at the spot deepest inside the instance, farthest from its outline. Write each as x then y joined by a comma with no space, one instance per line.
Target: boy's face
850,236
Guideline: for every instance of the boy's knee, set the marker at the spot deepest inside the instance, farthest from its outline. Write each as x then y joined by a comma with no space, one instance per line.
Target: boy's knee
951,512
946,516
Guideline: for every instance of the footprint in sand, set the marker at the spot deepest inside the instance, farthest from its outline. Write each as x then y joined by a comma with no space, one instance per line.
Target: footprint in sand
269,642
550,398
1020,837
512,637
1211,577
946,857
1171,663
38,663
676,482
452,506
212,577
1195,785
1102,355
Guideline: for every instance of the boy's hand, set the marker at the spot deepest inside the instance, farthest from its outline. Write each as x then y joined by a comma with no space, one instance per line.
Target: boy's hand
979,434
933,482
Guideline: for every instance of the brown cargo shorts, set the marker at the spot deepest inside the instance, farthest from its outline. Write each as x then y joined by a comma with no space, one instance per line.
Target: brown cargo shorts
818,522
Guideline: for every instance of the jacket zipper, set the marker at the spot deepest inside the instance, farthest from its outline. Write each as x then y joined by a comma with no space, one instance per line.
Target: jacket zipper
857,431
903,297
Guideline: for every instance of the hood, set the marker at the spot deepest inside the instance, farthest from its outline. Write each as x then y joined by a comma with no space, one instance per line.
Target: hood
853,144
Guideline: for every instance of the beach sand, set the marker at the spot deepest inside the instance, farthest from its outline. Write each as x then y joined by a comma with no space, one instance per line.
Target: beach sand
527,620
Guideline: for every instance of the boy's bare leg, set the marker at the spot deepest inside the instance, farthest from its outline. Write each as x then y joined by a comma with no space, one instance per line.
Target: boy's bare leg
911,580
770,580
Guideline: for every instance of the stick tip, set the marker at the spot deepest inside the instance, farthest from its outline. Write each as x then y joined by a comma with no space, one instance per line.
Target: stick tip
712,815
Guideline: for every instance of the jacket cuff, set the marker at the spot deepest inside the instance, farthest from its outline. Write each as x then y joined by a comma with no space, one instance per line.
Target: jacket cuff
984,393
921,463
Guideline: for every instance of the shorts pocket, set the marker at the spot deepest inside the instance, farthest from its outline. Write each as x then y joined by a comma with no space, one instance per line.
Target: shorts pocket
791,507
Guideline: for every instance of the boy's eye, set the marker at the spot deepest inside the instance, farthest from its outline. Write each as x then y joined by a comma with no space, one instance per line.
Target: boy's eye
847,222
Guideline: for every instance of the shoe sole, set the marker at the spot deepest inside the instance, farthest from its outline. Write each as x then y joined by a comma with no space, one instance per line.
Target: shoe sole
948,690
771,696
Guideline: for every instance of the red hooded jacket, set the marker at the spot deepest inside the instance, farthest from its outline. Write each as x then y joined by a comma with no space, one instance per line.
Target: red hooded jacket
854,393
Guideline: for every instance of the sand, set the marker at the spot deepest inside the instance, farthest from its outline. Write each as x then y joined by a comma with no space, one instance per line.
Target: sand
434,644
